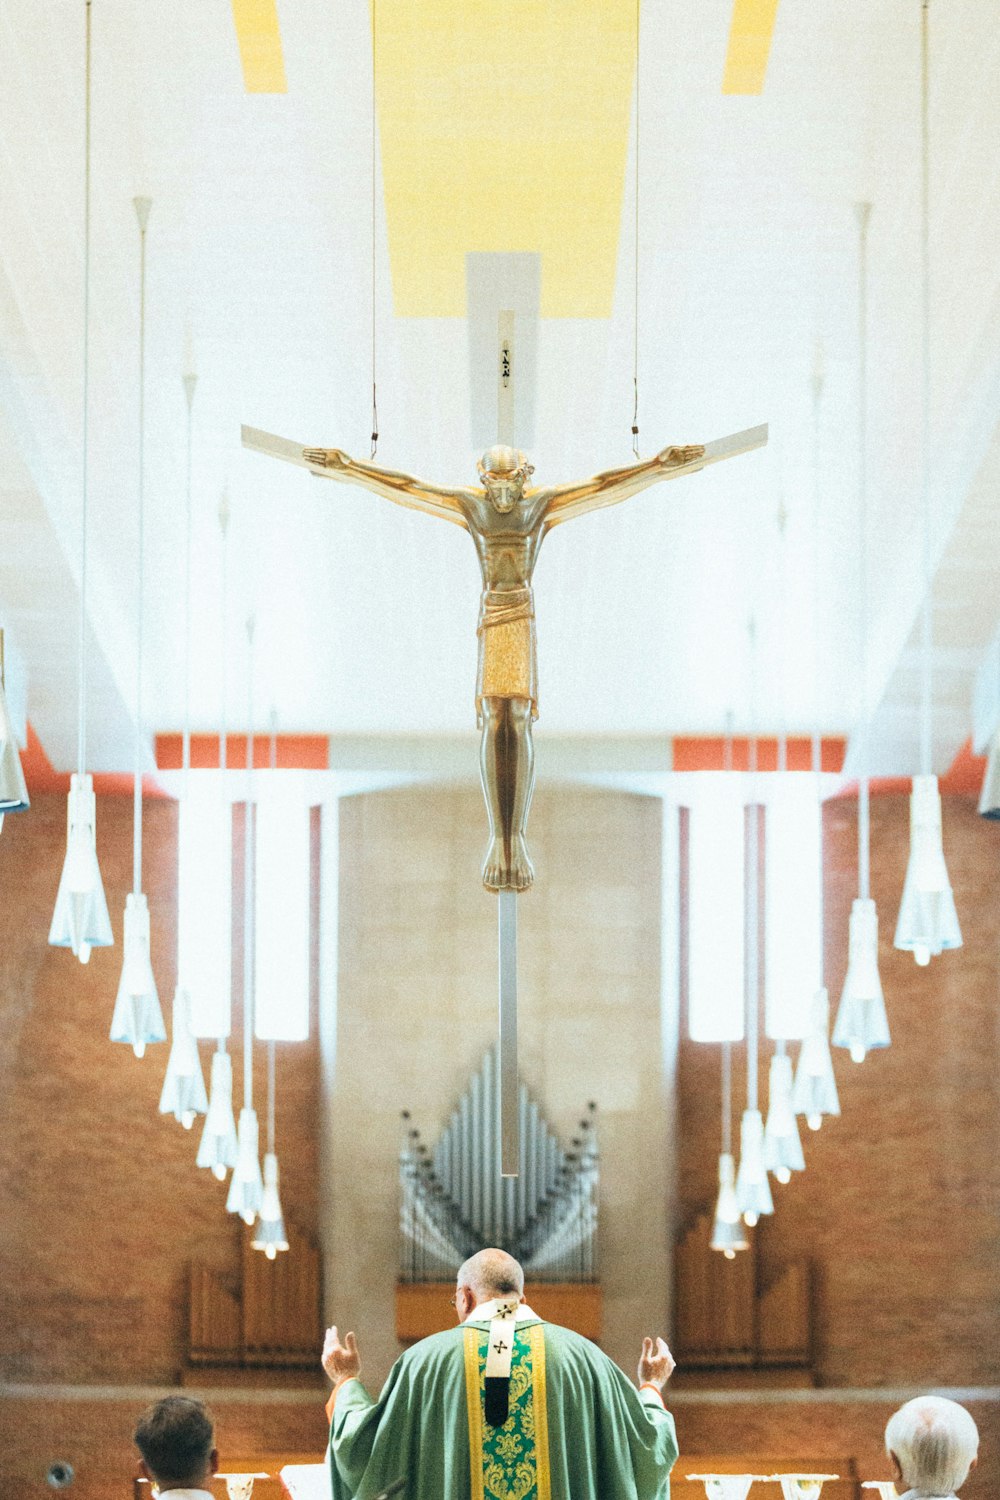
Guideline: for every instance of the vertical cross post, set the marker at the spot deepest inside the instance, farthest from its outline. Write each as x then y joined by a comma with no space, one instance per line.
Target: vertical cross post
505,378
510,1134
507,1091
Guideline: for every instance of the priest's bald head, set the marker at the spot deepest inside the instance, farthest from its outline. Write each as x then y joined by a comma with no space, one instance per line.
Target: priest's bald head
485,1276
932,1444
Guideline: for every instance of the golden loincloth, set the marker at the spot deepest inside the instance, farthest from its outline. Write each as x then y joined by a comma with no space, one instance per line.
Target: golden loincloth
508,656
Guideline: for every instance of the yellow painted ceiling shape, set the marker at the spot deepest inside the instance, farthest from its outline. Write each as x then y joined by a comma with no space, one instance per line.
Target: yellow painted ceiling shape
749,46
259,36
504,127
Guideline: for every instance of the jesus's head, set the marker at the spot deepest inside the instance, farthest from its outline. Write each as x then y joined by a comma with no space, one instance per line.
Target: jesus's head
503,472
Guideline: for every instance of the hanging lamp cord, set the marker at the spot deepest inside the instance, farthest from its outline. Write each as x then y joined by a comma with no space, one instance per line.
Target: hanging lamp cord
81,748
248,891
926,631
635,251
374,448
223,669
817,747
864,806
142,209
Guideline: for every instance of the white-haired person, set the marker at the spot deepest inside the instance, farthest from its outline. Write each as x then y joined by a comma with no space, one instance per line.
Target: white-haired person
932,1444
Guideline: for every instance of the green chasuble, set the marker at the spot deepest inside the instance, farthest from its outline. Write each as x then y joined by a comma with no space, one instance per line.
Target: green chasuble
576,1429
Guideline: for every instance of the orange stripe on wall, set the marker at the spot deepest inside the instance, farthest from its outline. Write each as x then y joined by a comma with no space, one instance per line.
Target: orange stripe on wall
709,754
41,776
295,752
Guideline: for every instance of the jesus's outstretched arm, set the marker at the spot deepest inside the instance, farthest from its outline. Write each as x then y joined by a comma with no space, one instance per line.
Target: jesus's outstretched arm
569,500
401,489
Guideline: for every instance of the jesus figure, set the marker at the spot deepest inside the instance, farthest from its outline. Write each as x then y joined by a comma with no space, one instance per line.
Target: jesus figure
508,520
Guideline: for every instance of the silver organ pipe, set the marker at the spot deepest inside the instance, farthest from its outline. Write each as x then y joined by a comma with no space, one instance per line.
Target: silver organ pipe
453,1201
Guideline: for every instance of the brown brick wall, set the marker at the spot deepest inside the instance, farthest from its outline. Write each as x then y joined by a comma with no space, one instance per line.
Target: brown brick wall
899,1204
101,1204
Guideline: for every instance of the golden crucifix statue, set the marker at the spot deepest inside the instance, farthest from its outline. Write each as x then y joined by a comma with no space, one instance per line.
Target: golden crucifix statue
508,521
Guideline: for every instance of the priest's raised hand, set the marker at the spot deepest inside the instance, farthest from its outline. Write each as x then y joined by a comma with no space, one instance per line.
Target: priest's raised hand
341,1361
656,1364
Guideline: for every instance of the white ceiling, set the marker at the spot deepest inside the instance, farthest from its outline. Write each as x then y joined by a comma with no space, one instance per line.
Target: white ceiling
259,273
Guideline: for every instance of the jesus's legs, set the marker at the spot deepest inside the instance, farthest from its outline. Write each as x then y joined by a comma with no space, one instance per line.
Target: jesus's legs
507,763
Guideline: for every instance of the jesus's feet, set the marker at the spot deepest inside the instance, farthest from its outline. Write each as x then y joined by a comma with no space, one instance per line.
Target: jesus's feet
501,874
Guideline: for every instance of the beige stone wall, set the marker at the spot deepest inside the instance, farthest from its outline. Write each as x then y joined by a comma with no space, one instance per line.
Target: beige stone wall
417,1010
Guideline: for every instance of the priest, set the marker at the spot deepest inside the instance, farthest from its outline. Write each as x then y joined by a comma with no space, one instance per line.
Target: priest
505,1405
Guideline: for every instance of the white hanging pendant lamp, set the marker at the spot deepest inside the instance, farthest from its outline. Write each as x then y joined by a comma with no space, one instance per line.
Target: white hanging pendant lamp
928,921
270,1235
814,1093
219,1146
727,1225
861,1024
246,1187
782,1147
753,1191
137,1018
183,1092
80,920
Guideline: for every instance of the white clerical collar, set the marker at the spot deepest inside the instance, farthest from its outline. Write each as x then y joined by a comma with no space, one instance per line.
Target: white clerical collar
487,1311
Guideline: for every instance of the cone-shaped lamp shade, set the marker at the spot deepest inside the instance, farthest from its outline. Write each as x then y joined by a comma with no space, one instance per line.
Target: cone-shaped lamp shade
13,792
782,1147
269,1235
219,1147
727,1230
137,1018
861,1019
887,1490
753,1191
246,1187
80,920
814,1093
183,1094
928,922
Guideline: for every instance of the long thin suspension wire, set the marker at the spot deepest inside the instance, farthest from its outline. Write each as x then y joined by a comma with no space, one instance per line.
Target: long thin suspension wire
142,209
249,894
224,667
781,1045
635,248
727,1047
190,382
374,189
926,634
753,893
817,746
81,731
727,1098
864,806
270,1097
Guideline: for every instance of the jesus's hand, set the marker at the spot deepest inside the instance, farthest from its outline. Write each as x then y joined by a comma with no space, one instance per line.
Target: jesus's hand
656,1365
676,458
341,1361
325,458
